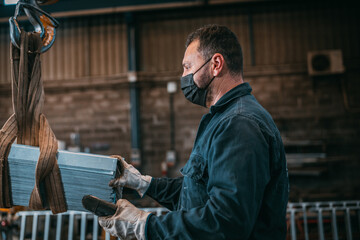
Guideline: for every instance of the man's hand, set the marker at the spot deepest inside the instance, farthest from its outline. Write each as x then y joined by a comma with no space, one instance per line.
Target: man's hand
131,178
127,223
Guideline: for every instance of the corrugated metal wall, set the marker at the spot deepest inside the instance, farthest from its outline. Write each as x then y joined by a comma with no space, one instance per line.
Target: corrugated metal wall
162,38
85,47
96,46
4,54
280,36
284,37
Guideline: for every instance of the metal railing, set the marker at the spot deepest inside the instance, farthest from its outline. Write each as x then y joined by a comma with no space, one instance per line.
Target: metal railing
335,220
324,220
76,223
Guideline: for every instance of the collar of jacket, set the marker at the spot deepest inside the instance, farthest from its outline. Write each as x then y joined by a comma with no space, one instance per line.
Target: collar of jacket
237,92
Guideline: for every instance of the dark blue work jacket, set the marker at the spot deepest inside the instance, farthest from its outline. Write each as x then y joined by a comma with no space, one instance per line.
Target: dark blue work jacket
235,183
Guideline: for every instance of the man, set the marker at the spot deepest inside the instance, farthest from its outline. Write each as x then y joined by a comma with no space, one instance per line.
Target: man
235,183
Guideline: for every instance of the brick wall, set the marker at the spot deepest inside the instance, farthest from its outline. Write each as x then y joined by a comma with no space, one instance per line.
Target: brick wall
5,105
308,109
100,115
155,117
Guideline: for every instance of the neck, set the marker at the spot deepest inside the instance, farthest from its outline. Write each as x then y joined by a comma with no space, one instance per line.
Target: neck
221,86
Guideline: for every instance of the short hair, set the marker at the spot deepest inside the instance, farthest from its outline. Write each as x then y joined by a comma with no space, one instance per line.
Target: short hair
215,38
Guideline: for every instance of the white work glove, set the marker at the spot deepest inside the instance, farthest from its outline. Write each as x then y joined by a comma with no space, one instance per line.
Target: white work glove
131,178
127,223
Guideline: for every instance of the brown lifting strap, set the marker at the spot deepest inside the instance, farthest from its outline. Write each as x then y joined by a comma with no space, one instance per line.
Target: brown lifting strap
31,127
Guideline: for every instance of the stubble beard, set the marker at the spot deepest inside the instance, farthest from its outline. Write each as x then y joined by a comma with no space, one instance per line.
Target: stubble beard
204,80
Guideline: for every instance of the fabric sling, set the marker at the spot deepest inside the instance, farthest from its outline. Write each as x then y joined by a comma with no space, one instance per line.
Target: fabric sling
30,127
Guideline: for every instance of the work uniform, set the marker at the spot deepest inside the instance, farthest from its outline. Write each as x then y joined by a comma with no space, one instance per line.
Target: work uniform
235,183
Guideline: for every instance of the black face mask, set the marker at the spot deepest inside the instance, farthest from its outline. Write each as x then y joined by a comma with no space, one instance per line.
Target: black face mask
191,91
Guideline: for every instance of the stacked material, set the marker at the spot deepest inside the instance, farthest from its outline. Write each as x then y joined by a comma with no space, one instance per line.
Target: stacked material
82,174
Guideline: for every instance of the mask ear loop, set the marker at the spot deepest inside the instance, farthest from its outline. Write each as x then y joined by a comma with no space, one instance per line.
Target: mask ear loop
202,65
209,82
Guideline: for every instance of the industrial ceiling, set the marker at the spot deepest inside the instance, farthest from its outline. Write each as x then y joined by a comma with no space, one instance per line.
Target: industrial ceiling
65,8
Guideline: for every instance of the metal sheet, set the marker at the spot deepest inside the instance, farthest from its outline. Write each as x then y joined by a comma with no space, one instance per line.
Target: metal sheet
82,174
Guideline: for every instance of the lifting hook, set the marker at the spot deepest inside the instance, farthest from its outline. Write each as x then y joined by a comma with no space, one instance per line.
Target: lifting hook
43,23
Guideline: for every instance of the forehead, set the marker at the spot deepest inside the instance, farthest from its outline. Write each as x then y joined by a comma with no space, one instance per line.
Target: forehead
192,53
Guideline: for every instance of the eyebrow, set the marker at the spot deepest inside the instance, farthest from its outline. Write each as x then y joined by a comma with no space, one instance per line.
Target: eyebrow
186,63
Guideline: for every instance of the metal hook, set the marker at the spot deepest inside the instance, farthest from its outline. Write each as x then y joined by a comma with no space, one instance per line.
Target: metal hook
42,22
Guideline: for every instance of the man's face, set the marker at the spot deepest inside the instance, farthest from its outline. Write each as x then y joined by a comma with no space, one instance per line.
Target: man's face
192,61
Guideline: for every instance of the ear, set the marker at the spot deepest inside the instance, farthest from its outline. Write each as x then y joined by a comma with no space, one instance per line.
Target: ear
217,65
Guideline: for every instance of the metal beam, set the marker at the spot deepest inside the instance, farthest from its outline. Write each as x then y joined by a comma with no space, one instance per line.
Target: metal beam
65,8
134,90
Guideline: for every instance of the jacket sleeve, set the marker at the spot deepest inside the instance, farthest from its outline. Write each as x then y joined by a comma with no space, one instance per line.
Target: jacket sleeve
238,170
165,191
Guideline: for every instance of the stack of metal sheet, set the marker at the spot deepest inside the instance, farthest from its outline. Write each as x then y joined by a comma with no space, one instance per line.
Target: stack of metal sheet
82,174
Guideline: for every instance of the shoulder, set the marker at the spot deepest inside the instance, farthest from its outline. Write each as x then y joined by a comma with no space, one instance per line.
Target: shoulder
245,115
237,127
